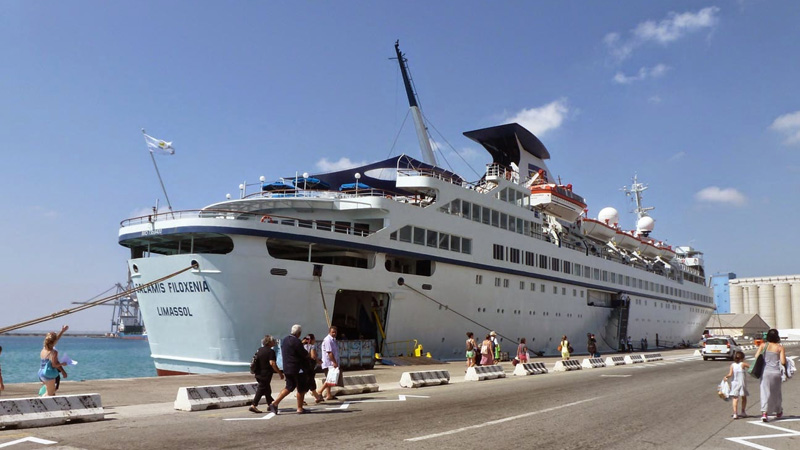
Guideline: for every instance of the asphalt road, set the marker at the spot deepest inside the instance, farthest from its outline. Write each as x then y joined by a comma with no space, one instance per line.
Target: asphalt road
665,405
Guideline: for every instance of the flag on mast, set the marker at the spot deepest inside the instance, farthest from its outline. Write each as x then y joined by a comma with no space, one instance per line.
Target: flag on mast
159,146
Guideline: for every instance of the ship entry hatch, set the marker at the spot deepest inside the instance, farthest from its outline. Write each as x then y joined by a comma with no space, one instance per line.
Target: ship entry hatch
361,315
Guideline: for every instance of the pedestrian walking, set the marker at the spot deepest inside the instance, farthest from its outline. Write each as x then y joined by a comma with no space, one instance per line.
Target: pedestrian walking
487,351
330,359
264,367
2,386
471,345
295,359
495,346
630,344
522,351
774,358
310,344
51,368
738,388
591,345
565,348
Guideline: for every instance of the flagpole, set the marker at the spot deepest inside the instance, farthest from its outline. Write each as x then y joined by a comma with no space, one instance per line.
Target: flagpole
159,174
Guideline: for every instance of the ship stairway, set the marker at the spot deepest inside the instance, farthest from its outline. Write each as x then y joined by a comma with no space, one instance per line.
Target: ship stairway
617,325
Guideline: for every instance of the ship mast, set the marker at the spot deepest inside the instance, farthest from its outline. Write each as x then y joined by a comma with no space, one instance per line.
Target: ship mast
636,191
422,131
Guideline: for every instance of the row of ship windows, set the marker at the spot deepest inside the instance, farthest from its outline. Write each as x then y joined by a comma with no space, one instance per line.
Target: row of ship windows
488,216
517,256
430,238
530,312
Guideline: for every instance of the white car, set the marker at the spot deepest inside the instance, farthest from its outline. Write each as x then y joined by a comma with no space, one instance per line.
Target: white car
719,347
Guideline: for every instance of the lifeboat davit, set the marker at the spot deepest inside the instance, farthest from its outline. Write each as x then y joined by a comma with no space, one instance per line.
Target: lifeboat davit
558,200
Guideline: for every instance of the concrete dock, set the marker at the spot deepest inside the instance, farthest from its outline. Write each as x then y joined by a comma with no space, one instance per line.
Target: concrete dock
663,404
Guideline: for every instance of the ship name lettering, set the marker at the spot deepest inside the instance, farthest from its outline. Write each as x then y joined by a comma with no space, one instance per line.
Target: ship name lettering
157,288
188,286
150,232
174,311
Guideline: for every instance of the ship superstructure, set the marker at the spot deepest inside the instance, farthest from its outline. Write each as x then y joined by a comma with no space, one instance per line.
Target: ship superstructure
402,250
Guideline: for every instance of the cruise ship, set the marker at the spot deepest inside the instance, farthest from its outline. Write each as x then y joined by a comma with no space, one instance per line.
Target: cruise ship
403,250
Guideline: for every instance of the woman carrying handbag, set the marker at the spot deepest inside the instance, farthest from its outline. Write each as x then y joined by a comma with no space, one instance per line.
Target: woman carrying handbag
774,356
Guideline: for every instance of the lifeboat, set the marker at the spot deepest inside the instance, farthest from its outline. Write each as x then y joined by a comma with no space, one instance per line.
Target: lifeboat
627,241
597,229
665,251
558,200
649,250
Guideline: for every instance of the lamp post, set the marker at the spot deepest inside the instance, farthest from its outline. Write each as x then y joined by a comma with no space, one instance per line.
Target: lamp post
243,186
358,177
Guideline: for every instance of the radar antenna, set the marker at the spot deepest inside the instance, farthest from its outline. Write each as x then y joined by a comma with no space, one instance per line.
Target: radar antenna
635,191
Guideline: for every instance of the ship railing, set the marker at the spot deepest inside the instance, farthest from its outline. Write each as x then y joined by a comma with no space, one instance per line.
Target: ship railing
324,225
428,173
495,171
400,348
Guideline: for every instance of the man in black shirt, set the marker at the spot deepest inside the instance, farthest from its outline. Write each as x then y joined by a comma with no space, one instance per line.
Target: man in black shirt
265,367
295,359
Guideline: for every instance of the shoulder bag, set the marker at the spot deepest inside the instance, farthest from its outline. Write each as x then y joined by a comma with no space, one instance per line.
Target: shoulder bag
757,369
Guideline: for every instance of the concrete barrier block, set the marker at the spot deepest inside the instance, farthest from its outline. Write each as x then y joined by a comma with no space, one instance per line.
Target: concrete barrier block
532,368
424,378
593,363
480,373
615,361
570,364
354,384
46,411
633,359
649,357
198,398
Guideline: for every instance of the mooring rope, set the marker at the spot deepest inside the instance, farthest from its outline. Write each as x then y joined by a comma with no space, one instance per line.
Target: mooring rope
448,308
88,305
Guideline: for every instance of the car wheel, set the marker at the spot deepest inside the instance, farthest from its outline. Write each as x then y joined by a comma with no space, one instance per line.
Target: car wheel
705,358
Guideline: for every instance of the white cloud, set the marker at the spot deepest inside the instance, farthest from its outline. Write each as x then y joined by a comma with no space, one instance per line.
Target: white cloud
542,119
789,125
654,72
664,32
333,166
677,156
714,194
654,100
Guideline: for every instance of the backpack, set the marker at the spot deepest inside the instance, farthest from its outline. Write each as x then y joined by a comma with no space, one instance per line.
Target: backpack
254,364
470,345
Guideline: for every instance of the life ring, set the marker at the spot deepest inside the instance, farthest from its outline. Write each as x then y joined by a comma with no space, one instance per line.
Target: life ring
508,175
266,219
388,196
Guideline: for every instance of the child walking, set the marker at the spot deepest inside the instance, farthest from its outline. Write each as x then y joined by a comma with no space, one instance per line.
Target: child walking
738,384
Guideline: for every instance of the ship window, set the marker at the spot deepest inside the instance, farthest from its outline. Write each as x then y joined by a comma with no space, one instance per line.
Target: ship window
498,252
563,291
533,286
512,223
567,267
627,280
555,290
419,236
476,213
466,246
513,255
520,225
405,234
555,264
433,238
302,223
587,272
444,241
543,261
577,269
619,279
522,285
180,243
526,228
320,253
455,243
495,218
496,281
504,221
324,225
478,279
503,195
596,274
530,259
486,217
613,277
465,209
455,207
605,275
541,287
361,229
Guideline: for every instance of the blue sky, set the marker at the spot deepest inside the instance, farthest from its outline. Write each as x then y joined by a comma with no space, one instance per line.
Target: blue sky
700,99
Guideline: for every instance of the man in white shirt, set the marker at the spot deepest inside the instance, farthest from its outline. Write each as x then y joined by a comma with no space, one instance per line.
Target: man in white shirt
330,359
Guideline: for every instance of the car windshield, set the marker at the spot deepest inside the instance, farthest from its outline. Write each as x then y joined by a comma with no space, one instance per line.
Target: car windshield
716,342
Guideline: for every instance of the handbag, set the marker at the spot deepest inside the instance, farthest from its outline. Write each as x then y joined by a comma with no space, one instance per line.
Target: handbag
757,369
333,377
559,347
569,348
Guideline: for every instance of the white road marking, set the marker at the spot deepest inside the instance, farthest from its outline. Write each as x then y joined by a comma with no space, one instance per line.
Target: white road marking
344,405
27,439
266,417
616,376
744,439
495,422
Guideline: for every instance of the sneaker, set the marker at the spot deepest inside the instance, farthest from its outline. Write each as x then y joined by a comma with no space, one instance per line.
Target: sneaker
734,417
764,417
779,415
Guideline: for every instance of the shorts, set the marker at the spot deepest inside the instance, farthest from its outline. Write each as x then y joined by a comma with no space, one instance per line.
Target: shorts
470,354
297,381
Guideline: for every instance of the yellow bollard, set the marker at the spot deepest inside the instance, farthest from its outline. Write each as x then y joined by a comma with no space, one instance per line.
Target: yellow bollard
418,351
428,355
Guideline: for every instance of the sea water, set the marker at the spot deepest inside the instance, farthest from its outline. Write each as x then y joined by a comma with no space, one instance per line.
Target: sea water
98,358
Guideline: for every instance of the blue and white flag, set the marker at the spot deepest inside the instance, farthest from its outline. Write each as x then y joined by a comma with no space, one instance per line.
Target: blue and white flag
158,146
